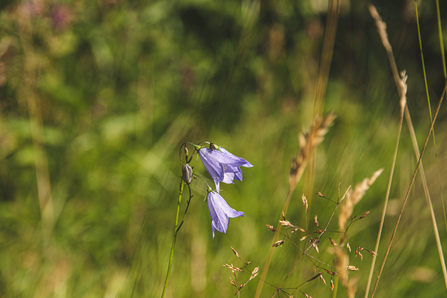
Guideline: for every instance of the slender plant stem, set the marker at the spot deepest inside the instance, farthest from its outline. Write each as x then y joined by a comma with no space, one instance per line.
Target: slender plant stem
275,238
383,35
382,220
426,87
174,238
408,193
334,292
441,39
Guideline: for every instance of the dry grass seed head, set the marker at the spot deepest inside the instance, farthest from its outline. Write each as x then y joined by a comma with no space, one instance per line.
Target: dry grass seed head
352,198
235,252
341,265
352,287
403,87
309,141
305,204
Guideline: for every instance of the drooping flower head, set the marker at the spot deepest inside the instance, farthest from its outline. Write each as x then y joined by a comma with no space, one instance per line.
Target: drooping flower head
222,165
220,212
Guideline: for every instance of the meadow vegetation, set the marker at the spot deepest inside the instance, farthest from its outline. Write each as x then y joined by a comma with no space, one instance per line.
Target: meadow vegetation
96,98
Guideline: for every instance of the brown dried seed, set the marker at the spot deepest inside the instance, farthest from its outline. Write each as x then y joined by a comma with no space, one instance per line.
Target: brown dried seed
332,285
371,252
286,223
332,241
270,228
329,272
348,246
304,237
314,277
364,214
361,256
255,271
322,278
316,221
235,252
353,268
305,204
232,282
320,194
278,243
316,247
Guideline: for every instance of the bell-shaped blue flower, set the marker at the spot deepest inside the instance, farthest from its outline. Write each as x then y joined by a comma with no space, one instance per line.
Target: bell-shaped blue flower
222,165
220,212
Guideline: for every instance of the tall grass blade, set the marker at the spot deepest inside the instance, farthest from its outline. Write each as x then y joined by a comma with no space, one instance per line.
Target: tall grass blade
382,32
441,44
406,199
441,39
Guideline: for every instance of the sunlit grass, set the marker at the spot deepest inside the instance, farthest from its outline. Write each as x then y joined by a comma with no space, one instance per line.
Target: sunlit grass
119,86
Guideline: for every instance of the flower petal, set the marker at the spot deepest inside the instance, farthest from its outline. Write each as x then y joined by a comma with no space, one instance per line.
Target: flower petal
222,165
213,167
220,212
236,160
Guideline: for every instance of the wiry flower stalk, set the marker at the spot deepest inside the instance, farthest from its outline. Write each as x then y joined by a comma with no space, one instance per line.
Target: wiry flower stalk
309,141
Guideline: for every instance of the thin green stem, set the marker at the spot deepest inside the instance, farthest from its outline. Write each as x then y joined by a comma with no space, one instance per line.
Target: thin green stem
441,39
174,238
334,292
441,43
422,60
406,199
382,220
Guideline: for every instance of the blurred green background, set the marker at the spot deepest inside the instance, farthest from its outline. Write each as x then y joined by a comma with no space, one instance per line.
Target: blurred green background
97,96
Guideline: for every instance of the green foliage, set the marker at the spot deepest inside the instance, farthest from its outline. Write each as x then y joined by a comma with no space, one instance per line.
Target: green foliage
119,85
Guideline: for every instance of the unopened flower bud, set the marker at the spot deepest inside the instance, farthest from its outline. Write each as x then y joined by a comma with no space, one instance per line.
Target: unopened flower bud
187,173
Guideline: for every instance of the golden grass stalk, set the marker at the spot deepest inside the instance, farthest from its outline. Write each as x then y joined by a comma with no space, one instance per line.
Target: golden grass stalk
308,144
327,50
401,86
326,55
